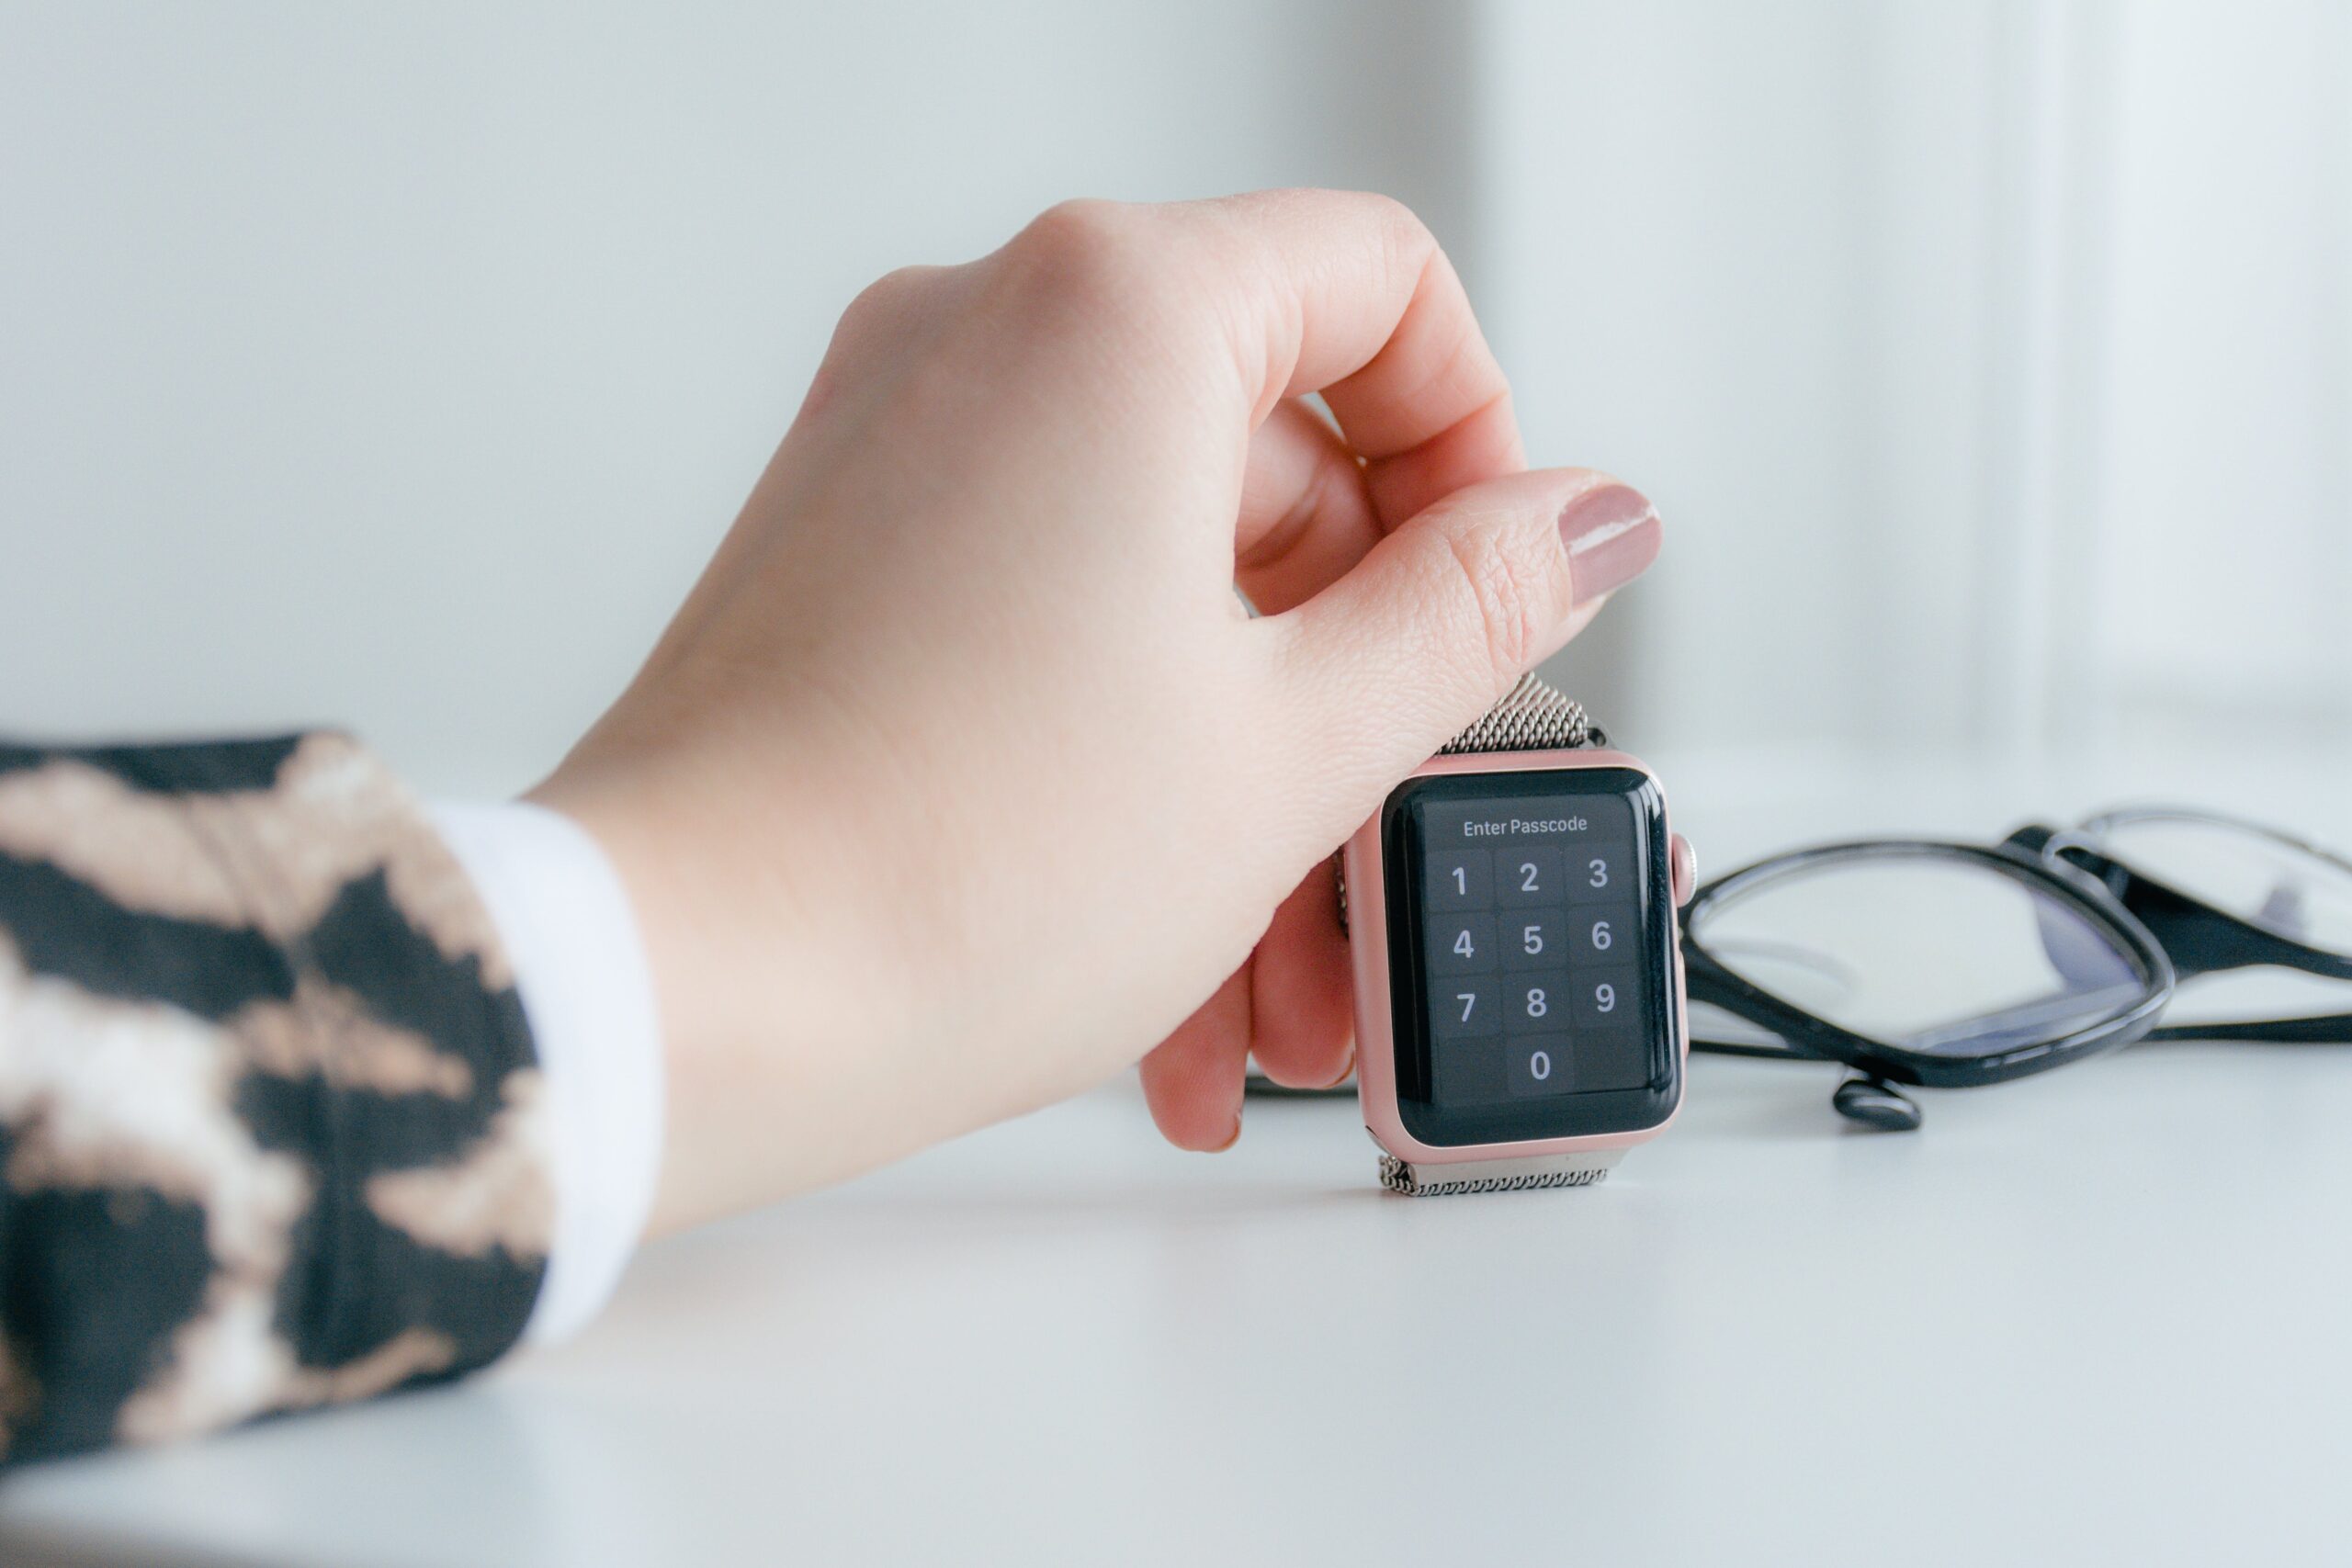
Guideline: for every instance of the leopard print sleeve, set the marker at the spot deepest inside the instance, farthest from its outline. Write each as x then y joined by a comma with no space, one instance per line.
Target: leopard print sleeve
269,1110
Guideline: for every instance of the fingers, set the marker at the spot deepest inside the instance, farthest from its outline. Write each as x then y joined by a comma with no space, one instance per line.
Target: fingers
1482,445
1258,300
1302,1016
1289,1005
1441,616
1310,510
1192,1079
1305,515
1303,290
1350,295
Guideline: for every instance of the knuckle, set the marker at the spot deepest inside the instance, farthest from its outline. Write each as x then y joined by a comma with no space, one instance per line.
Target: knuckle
1078,225
1093,256
887,302
892,289
1079,240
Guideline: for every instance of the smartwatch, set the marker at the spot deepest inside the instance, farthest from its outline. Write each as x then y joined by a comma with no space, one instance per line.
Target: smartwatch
1512,919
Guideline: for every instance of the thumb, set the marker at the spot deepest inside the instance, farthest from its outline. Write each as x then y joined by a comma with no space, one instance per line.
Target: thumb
1434,624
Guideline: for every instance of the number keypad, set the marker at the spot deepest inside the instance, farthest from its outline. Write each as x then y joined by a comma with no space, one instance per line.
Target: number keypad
1536,967
1531,956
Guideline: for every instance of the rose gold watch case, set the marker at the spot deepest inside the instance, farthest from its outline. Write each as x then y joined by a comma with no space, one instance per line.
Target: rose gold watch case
1366,879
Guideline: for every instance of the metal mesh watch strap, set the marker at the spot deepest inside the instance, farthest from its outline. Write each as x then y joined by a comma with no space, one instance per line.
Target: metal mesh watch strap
1533,716
1495,1175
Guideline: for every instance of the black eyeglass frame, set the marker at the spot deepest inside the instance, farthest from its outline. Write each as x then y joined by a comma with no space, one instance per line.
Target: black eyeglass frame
2170,934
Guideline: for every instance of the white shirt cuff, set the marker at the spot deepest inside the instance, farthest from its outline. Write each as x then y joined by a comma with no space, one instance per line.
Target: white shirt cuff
587,991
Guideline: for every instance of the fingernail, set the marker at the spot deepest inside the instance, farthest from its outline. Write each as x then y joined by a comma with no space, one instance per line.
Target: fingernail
1232,1140
1612,535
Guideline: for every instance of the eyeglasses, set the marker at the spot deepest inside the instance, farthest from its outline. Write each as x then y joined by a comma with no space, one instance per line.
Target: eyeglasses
1920,963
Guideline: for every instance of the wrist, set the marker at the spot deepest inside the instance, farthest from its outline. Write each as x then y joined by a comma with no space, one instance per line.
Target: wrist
782,1056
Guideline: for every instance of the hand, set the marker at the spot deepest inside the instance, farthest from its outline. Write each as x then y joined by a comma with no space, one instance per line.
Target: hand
963,780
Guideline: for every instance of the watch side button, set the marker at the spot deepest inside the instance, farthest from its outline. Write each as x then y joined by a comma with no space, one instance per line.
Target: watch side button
1686,869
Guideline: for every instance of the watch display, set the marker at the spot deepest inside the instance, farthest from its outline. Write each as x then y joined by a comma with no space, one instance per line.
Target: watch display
1529,933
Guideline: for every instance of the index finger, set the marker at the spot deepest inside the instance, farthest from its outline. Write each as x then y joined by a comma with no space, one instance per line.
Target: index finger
1350,296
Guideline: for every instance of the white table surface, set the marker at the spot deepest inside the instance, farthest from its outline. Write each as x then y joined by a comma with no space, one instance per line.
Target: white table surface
2099,1316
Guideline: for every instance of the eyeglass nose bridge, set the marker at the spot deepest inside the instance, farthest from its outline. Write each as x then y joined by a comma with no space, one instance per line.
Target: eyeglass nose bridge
2053,848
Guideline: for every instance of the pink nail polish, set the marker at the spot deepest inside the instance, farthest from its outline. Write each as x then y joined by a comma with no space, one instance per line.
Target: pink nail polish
1612,535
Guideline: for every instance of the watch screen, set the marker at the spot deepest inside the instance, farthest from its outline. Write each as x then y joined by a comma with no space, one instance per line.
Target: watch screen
1530,958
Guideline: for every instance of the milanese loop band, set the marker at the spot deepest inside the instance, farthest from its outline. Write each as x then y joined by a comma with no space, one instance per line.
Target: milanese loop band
1533,717
1495,1175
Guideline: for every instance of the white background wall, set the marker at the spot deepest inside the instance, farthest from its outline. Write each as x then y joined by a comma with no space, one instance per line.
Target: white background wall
1992,362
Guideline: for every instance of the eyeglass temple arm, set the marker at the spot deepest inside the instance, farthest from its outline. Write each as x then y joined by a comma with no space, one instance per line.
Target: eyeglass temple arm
2324,1029
1707,982
2196,937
